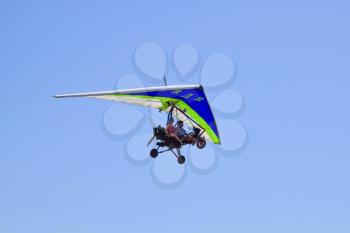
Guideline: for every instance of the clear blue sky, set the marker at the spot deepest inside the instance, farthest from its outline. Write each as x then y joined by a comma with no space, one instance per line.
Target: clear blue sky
60,173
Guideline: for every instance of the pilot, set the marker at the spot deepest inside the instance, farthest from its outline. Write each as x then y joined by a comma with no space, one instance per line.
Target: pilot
182,134
179,131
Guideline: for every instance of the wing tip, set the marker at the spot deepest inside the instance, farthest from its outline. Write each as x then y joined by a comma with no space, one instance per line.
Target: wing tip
59,96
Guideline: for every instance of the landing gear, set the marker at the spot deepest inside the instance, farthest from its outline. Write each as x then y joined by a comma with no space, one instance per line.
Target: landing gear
201,143
153,153
181,159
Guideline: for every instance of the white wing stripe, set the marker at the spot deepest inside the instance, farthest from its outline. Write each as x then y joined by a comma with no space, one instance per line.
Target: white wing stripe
130,91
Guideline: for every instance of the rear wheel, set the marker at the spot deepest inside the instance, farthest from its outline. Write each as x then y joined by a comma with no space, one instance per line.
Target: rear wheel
201,143
181,159
153,153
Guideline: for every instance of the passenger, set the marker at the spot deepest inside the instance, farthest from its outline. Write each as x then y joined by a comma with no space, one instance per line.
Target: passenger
170,129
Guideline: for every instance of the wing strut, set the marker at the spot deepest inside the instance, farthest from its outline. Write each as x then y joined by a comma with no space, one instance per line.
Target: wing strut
170,114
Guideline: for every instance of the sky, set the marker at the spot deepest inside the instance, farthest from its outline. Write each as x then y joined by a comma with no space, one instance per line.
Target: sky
59,172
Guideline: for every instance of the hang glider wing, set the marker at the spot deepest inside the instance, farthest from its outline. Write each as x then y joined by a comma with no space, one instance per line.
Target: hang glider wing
189,100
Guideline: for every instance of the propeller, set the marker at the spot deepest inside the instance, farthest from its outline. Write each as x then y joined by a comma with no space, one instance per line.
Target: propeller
151,140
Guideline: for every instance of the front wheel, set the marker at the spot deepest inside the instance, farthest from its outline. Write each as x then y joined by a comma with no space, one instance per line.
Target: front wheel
181,159
201,143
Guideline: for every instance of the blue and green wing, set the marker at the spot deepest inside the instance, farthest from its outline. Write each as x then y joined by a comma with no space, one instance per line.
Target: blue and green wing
190,99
